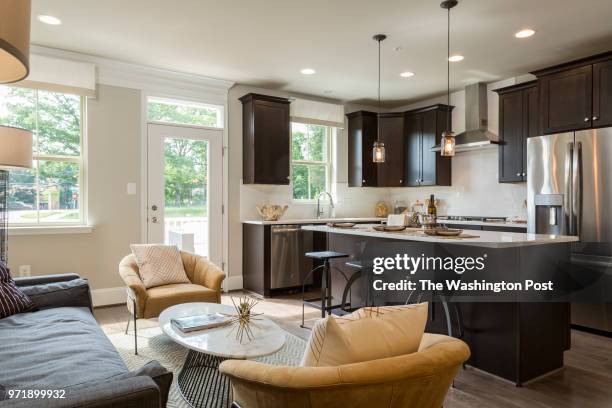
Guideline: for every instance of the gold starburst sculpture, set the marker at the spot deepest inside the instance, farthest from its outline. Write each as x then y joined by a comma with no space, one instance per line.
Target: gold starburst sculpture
244,317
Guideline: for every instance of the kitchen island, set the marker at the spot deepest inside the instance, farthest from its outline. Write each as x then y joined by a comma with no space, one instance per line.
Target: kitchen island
515,336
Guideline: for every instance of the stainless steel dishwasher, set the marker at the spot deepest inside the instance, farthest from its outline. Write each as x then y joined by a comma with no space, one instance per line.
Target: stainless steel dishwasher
288,265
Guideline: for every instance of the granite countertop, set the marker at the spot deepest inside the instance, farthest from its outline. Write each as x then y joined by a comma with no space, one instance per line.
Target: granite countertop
314,220
490,239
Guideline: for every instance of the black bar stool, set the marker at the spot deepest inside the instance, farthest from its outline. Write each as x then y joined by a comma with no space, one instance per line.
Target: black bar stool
363,271
446,305
326,284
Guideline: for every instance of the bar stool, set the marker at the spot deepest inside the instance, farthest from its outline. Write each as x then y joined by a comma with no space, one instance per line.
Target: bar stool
363,271
326,284
446,306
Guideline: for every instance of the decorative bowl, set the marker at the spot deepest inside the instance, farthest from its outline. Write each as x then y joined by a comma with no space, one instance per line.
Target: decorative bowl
271,212
443,232
341,224
389,228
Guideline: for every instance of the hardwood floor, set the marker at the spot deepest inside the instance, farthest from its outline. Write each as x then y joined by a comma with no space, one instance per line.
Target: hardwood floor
586,380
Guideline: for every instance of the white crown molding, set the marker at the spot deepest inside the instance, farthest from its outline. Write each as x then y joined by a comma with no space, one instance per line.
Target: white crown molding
128,75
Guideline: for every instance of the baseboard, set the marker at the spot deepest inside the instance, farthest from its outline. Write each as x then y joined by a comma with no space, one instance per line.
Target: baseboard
108,296
232,283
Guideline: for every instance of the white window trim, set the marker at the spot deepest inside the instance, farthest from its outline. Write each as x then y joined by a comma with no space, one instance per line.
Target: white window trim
329,133
38,228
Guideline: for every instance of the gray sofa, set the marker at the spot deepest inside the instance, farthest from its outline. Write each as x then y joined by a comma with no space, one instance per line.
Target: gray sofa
61,347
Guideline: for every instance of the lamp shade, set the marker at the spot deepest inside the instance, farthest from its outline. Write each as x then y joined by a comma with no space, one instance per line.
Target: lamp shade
15,148
14,40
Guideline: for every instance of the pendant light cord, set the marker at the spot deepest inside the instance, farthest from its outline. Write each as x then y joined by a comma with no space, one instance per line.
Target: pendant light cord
448,71
378,119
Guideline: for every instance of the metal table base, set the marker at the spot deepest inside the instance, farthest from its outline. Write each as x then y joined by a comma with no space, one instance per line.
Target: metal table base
200,382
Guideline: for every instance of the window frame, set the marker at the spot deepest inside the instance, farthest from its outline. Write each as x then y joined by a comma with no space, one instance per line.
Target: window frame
82,220
184,102
329,133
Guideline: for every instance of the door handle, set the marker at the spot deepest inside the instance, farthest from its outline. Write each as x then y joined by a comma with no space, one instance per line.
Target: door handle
154,207
586,119
154,220
568,197
577,189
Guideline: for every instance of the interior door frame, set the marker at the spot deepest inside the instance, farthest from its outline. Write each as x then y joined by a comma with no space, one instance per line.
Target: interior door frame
144,148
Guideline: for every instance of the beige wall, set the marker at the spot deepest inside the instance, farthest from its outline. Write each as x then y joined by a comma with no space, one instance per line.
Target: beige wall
113,139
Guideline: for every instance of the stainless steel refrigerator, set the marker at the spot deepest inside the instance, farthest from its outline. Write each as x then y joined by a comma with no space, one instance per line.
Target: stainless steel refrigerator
569,192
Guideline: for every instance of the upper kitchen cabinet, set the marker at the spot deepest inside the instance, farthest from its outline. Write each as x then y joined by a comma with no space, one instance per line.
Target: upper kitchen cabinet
266,133
422,131
602,94
518,121
362,131
391,172
576,95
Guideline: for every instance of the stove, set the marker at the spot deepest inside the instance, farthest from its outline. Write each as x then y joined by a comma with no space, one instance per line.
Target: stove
472,218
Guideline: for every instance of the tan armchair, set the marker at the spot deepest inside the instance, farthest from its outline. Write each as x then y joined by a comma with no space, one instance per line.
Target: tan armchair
143,303
420,379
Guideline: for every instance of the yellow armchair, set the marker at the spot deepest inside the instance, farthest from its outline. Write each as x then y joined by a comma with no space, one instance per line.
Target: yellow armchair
205,286
420,379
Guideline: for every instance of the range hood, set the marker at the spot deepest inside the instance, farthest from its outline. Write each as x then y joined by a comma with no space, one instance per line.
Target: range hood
476,135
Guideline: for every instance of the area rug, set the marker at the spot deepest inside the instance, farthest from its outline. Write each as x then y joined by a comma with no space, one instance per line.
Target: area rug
154,345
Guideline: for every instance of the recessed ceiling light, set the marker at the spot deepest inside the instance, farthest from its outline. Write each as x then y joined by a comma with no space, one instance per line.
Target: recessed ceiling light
49,20
455,58
407,74
308,71
525,33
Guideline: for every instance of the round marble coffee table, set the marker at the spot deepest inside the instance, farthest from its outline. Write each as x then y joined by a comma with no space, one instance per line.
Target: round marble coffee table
199,381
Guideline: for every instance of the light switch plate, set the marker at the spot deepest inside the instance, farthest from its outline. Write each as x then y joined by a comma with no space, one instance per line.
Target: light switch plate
131,188
25,270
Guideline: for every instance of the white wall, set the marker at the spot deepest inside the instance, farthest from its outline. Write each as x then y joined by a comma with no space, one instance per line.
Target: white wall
475,188
350,202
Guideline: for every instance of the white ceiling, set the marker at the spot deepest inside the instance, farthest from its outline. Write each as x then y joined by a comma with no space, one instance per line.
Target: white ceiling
267,42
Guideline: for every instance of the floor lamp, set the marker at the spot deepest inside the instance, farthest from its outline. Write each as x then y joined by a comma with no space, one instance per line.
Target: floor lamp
15,153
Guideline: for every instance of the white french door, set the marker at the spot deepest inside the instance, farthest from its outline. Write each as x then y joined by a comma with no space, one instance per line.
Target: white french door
185,188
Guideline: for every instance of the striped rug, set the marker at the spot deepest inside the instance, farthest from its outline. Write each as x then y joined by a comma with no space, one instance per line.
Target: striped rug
154,345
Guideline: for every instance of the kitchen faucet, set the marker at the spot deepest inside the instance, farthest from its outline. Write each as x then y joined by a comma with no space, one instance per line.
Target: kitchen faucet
319,209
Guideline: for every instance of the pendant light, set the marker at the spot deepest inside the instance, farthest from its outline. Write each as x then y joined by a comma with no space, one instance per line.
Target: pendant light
14,40
448,136
378,150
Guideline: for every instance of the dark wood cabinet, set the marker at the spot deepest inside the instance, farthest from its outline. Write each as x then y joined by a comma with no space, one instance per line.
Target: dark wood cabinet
422,131
567,100
518,120
391,172
576,95
266,133
602,94
362,131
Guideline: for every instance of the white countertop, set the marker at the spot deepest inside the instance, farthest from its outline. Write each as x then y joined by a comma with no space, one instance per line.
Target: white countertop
490,239
313,221
508,224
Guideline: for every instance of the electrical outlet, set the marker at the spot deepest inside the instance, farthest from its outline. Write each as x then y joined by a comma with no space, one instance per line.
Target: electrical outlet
25,270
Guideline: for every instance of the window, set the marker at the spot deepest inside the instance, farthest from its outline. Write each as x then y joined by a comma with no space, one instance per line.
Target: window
309,160
52,191
184,113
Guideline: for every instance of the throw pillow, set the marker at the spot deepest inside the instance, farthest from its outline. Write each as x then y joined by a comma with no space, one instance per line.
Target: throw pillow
159,264
12,300
368,334
72,293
